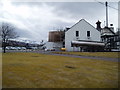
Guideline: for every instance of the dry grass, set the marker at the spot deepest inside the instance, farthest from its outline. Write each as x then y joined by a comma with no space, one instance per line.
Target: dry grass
98,54
31,70
0,70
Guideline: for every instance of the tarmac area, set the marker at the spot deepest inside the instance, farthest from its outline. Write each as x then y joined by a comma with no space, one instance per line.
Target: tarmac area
76,56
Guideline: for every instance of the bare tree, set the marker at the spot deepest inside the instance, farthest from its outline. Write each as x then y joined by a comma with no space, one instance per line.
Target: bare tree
7,33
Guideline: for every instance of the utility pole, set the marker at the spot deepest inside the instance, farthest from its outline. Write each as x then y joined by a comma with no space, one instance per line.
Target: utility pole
106,3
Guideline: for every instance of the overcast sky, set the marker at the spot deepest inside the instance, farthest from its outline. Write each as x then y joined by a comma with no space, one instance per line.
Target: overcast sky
34,20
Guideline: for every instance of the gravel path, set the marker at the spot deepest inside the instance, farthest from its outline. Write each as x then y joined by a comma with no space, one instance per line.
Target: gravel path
89,57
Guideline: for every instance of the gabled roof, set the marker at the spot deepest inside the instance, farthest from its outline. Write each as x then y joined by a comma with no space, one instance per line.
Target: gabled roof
109,30
80,21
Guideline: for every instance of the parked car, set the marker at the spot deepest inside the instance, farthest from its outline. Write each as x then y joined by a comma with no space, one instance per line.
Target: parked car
50,49
7,48
23,48
13,48
18,48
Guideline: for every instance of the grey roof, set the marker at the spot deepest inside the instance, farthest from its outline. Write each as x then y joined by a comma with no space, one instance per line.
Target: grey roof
80,21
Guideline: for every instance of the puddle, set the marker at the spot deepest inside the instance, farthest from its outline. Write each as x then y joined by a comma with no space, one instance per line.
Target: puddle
71,67
34,56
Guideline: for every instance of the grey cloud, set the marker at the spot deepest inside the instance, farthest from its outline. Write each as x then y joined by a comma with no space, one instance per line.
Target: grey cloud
78,8
28,3
61,15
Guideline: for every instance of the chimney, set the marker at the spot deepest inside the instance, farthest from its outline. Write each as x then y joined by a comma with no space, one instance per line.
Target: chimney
111,27
106,4
98,26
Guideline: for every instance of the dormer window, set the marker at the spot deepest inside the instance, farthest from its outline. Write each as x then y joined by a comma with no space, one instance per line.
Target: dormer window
77,33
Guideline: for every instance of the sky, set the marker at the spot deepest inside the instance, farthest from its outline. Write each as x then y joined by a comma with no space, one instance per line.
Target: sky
34,19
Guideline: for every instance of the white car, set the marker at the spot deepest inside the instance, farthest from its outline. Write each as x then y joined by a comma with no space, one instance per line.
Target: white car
13,48
18,48
7,48
23,48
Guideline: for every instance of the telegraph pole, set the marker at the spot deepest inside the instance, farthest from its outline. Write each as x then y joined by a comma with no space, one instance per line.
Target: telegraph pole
106,3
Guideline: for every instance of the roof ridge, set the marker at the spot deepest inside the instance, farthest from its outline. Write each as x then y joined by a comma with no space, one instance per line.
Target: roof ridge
80,21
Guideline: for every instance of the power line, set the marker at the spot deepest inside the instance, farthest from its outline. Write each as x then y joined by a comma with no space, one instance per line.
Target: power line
108,5
113,7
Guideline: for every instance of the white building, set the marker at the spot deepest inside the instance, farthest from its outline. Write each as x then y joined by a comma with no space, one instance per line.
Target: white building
54,46
82,37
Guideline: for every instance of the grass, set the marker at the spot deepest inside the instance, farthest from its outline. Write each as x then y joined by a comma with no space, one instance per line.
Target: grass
32,70
0,70
97,54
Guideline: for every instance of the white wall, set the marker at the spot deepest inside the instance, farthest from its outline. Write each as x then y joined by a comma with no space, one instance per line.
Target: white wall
49,45
53,45
82,26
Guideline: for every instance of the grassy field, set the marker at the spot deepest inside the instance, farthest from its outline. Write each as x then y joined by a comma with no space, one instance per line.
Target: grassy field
98,54
0,70
32,70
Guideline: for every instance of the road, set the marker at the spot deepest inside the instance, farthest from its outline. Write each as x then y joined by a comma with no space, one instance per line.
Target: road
89,57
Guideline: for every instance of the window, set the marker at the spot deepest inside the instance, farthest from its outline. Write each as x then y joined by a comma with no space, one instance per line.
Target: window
71,45
77,33
88,33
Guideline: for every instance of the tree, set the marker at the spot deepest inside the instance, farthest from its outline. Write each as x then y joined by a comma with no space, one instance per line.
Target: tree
7,32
